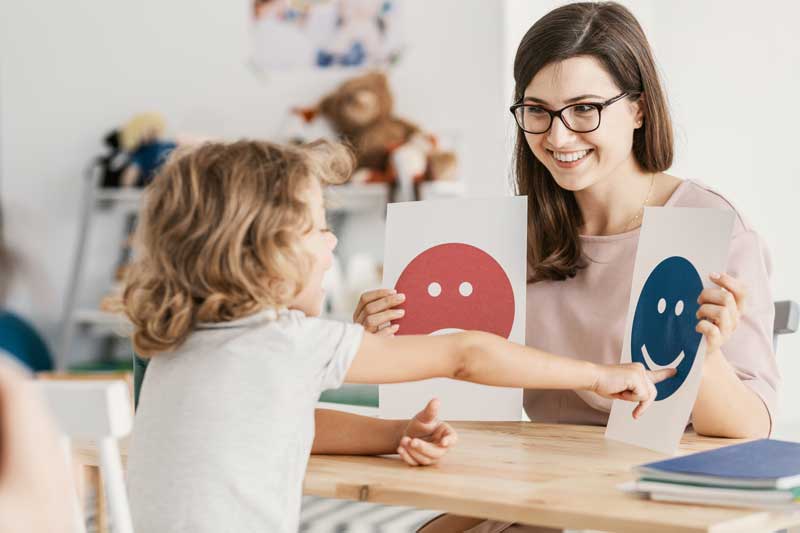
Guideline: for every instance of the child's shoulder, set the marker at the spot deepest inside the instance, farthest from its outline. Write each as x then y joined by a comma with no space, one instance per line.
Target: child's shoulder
317,334
285,325
314,328
293,318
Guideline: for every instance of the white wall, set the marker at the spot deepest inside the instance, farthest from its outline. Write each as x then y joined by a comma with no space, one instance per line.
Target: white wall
732,73
70,71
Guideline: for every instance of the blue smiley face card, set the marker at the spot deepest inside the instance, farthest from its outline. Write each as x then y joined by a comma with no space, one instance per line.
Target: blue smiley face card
678,249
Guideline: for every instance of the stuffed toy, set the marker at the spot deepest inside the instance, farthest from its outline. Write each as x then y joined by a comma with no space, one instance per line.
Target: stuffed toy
141,137
137,152
113,163
388,149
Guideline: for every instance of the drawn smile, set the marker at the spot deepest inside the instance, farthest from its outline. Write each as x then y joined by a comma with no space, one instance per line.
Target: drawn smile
446,331
652,365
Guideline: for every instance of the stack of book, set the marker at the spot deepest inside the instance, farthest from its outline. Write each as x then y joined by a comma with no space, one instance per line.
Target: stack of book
762,474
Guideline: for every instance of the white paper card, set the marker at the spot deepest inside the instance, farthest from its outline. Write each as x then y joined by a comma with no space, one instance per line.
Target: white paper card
462,266
678,249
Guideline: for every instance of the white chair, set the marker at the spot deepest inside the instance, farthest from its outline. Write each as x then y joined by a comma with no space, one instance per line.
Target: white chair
97,411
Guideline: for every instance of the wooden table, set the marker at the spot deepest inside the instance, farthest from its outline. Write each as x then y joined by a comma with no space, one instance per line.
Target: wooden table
549,475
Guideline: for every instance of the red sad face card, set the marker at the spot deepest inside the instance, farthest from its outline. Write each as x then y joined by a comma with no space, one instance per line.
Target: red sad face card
462,266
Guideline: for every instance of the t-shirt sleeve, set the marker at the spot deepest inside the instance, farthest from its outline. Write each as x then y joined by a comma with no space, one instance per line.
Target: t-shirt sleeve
750,350
333,346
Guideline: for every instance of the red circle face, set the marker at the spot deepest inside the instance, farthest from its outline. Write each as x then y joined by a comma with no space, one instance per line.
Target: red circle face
455,286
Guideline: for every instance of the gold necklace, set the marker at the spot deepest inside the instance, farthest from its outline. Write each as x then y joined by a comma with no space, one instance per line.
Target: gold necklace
640,212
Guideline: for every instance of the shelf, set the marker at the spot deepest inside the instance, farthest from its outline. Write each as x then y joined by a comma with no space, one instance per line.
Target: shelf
126,195
342,198
357,197
102,321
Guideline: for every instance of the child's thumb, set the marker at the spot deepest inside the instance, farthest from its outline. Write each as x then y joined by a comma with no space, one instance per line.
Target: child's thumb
430,412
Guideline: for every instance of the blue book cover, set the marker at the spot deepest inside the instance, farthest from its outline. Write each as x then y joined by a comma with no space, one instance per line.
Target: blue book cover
764,463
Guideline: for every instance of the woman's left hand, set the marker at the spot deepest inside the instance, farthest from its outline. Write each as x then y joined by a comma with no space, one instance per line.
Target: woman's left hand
720,310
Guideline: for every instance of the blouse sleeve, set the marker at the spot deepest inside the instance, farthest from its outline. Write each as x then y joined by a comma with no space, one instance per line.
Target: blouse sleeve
750,349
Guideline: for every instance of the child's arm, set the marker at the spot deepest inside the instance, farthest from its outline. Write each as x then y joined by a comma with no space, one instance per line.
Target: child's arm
485,358
420,441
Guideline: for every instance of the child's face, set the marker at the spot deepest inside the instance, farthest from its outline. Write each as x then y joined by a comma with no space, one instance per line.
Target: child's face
319,242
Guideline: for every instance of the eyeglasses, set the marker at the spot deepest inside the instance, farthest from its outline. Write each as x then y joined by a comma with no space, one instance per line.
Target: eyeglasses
580,118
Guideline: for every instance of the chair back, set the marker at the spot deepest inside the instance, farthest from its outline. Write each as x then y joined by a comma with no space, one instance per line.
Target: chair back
787,317
100,412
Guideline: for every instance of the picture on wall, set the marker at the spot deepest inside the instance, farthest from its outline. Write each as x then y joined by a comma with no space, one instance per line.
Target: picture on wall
303,34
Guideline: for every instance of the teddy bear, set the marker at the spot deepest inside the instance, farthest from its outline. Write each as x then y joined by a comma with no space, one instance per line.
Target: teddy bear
388,149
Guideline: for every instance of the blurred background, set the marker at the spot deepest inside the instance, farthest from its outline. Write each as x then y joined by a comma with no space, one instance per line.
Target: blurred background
76,78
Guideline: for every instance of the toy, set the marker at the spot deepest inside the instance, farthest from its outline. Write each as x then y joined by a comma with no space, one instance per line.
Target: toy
141,137
113,163
388,149
137,151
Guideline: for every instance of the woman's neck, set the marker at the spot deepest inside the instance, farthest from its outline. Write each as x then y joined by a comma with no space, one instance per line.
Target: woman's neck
614,204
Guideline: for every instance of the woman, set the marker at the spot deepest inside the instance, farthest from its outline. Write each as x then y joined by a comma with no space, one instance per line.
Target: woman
593,143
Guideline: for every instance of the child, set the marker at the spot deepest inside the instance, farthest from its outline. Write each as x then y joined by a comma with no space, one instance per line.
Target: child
224,299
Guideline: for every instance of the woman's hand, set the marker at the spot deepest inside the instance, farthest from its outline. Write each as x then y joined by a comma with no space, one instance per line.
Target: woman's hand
630,382
374,311
426,438
720,310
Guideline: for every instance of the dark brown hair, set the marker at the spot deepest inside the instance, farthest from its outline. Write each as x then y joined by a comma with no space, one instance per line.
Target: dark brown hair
611,34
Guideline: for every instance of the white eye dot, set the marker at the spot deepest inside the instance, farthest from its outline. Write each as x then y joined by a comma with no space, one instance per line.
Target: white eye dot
662,306
679,308
434,289
465,288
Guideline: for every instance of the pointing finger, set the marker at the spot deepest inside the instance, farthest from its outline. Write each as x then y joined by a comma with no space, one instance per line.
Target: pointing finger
657,376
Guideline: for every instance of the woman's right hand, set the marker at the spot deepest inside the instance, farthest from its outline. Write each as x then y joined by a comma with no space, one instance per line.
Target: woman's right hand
375,311
630,382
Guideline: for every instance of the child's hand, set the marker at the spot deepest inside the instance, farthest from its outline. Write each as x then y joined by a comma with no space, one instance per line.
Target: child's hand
630,382
426,438
720,309
374,311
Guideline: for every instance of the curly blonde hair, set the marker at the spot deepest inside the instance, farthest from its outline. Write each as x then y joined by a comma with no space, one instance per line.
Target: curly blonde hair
220,235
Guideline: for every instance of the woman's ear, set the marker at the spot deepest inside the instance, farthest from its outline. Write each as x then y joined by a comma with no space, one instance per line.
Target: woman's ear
638,110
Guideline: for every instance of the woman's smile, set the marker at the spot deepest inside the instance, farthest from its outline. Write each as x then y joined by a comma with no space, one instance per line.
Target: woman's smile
570,159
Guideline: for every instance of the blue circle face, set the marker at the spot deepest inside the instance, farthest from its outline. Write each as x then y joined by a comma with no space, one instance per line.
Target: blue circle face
663,334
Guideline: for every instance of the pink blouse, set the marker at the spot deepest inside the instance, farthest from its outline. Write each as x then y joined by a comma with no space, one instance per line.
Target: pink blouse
584,317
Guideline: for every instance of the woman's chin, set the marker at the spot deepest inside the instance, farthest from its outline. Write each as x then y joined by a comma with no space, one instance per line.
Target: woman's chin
573,183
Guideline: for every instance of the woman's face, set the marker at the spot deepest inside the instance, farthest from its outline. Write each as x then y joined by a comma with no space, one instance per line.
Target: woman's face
590,157
319,243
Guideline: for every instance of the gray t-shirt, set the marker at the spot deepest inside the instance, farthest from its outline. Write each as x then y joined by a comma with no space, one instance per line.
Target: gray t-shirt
225,423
